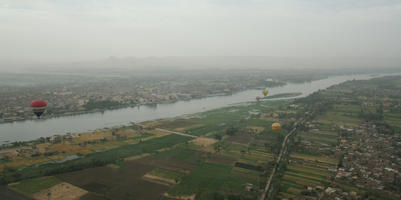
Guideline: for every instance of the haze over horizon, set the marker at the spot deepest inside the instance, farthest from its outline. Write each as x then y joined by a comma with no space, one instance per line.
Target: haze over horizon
255,33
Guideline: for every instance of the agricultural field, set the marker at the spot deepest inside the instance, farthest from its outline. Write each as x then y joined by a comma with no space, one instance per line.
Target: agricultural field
31,186
299,176
233,146
209,179
215,122
230,153
125,182
226,153
340,116
75,144
47,188
350,149
308,164
168,175
10,194
177,171
234,164
311,165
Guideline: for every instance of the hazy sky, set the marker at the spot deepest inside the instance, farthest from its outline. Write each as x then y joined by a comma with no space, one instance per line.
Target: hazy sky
63,30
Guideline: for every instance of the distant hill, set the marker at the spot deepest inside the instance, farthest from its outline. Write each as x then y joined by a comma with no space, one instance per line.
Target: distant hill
219,62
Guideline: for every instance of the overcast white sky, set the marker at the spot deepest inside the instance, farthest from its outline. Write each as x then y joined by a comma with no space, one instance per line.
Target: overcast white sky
65,30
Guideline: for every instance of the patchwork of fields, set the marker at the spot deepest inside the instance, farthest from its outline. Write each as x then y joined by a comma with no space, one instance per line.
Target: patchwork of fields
154,164
351,148
309,168
226,153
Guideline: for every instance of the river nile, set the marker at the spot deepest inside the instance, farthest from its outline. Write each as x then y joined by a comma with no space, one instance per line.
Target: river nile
33,129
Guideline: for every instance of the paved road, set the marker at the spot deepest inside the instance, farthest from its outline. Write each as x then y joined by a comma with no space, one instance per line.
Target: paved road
282,151
168,131
177,133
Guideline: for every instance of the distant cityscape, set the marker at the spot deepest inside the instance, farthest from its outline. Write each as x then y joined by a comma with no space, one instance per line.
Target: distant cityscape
101,94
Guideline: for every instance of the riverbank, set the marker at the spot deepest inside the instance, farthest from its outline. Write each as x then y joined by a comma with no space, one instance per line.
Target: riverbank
210,149
283,95
55,149
47,116
234,146
33,129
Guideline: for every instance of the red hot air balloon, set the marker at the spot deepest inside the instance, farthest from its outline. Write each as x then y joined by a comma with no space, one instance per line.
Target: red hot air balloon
38,107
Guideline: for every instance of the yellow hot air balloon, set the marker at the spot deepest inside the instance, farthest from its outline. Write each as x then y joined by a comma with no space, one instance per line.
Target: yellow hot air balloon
276,127
265,92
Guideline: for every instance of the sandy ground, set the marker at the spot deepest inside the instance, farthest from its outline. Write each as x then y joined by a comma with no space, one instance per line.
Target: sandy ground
201,141
62,191
191,197
157,179
181,129
136,157
42,147
158,133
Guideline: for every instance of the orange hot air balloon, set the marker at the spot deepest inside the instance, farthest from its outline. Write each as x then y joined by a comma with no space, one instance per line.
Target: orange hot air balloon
276,127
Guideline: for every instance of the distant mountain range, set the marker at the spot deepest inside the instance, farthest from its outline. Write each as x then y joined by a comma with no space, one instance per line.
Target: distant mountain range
217,62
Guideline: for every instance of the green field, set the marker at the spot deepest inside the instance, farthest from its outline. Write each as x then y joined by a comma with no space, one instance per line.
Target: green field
311,166
210,178
207,171
180,153
340,118
298,176
31,186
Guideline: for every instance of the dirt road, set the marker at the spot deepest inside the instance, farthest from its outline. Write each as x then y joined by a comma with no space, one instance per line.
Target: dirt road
282,151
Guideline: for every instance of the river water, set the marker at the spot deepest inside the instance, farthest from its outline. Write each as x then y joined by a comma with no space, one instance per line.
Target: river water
33,129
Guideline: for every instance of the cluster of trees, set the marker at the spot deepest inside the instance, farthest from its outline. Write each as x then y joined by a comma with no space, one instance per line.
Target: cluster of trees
382,127
275,148
232,130
371,116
